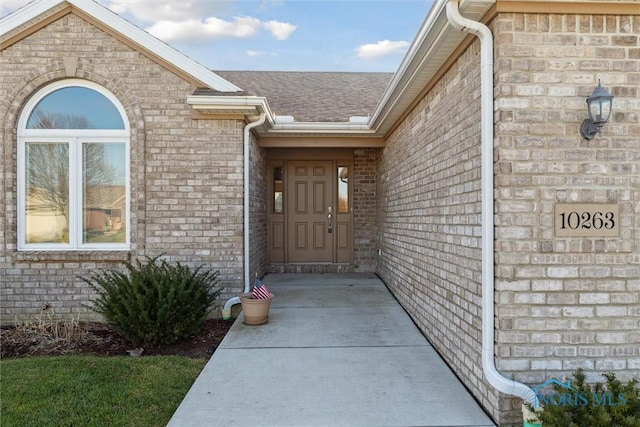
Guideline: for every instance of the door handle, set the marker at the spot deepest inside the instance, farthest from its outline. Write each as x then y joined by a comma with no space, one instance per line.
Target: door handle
329,221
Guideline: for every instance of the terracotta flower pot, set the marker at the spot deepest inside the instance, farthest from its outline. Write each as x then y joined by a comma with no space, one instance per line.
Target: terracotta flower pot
255,311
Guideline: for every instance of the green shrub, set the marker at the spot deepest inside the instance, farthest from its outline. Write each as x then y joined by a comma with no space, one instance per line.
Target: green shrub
612,404
156,303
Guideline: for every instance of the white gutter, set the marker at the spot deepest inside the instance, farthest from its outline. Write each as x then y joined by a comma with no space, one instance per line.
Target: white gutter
215,102
226,311
322,127
277,124
496,379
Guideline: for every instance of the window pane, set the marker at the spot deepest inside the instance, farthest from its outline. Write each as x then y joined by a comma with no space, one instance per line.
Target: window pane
47,193
75,108
104,193
343,189
277,190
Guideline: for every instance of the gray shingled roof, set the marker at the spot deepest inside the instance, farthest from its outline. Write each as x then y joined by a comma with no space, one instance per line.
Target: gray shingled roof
313,96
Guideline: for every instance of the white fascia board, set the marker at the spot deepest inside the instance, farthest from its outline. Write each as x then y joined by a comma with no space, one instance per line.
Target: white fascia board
25,14
221,102
128,30
227,100
434,43
260,105
323,128
402,77
212,103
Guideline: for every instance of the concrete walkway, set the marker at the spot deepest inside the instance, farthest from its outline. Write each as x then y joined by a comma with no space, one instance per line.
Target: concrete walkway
338,350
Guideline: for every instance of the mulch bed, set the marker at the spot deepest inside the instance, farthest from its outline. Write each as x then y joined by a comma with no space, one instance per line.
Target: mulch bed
100,339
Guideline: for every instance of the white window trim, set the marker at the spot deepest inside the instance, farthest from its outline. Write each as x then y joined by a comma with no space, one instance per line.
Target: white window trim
75,138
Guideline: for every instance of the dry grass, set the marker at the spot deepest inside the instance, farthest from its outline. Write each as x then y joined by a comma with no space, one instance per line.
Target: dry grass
51,328
48,334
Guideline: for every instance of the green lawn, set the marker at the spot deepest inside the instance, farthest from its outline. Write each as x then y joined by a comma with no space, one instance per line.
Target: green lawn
94,391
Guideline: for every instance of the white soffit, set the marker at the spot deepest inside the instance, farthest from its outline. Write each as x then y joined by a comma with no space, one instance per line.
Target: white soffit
432,47
225,104
138,36
476,8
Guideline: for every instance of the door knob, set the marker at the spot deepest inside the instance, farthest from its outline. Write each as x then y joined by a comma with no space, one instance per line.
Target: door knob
329,221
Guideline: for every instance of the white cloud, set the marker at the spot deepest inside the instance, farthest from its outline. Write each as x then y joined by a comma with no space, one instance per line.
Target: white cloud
279,30
215,28
381,49
186,21
155,11
260,53
197,21
210,29
193,30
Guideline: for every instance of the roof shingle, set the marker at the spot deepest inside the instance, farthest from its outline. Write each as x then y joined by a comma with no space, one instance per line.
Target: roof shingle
313,96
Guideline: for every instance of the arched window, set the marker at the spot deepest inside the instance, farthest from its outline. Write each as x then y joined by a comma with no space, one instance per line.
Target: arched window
73,169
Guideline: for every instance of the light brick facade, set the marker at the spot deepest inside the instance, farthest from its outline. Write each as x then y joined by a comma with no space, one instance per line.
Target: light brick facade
186,175
258,255
365,208
566,302
562,303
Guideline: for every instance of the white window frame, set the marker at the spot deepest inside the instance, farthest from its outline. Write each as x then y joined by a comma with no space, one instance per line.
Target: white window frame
75,138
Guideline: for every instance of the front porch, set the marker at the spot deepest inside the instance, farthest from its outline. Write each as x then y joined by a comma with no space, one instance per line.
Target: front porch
313,210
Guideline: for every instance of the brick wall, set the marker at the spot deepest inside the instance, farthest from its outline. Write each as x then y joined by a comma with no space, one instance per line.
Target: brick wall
561,303
186,175
566,303
258,208
429,220
194,196
364,209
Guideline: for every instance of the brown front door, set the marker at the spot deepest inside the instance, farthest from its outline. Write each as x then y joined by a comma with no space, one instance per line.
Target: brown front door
310,211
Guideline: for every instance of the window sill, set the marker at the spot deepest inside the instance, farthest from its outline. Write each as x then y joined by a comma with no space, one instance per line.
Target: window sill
73,256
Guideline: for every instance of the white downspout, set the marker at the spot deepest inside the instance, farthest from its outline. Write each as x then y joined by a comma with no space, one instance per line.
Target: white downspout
226,310
496,379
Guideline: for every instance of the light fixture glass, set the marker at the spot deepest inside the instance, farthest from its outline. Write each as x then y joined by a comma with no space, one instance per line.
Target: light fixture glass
599,105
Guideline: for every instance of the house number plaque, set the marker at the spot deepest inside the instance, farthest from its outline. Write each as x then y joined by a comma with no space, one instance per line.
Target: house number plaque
586,220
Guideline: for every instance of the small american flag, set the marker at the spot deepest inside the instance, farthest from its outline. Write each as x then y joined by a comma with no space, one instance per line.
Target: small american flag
260,290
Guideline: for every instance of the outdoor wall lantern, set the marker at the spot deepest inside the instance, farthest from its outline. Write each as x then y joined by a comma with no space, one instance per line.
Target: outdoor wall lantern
599,105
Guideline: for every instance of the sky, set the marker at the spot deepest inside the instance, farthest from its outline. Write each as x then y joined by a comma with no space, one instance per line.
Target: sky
278,35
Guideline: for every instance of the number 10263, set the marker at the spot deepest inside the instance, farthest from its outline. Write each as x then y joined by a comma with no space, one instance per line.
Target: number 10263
586,220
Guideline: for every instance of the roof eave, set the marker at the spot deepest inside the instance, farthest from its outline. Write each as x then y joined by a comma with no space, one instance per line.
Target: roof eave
25,14
435,43
230,103
252,106
322,128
